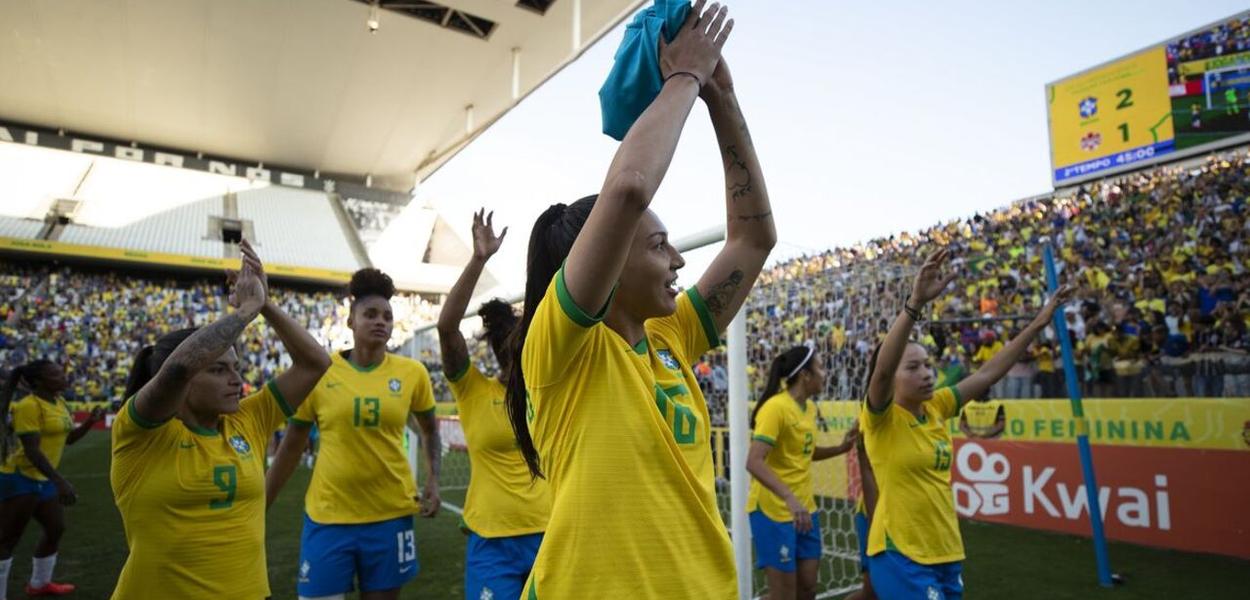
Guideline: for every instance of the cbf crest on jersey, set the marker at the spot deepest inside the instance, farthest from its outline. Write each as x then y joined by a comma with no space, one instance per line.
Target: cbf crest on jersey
668,359
395,385
240,445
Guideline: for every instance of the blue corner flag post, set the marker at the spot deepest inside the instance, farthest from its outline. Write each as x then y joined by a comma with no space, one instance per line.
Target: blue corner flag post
1082,429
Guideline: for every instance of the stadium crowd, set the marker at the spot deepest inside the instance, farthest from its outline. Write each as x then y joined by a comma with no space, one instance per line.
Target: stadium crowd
1161,257
95,320
1230,37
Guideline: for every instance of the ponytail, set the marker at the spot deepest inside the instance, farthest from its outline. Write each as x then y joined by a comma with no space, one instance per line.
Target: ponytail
149,360
140,372
551,239
786,367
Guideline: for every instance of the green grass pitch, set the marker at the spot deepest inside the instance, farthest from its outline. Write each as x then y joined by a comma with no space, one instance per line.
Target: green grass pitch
1003,562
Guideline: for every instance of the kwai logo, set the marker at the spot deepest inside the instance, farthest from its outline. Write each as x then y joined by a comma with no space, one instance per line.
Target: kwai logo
987,494
1133,507
983,485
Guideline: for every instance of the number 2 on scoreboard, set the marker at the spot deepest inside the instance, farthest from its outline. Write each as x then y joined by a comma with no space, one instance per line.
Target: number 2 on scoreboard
1126,98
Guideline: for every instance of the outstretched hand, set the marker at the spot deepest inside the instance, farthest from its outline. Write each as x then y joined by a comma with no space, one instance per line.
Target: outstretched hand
249,286
932,279
1061,297
485,242
697,46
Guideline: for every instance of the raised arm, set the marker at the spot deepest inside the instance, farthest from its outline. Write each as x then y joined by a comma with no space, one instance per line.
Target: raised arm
928,285
309,360
451,342
976,384
594,264
749,230
159,399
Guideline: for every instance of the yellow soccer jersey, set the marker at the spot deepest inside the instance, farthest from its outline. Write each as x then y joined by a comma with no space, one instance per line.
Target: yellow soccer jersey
911,458
674,345
193,502
982,415
503,499
51,421
630,518
790,430
362,474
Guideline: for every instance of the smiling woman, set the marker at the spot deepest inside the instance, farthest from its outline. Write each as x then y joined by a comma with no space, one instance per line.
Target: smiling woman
602,397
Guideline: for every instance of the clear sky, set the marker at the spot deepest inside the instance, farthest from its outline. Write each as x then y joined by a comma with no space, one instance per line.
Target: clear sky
869,118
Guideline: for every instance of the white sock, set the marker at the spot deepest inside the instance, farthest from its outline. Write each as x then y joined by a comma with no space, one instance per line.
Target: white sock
41,573
5,565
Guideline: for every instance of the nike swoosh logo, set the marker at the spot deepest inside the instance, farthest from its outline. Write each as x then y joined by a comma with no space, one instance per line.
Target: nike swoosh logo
186,444
405,569
497,402
915,424
332,385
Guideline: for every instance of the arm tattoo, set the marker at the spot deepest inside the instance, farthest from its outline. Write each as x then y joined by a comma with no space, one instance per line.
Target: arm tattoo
759,217
719,297
205,345
434,450
742,121
742,187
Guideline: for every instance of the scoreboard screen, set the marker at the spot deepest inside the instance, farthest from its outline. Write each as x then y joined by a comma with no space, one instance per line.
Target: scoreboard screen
1185,96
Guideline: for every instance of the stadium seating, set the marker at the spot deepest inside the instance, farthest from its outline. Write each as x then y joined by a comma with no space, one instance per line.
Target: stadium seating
178,231
19,228
1164,304
297,227
1161,257
95,320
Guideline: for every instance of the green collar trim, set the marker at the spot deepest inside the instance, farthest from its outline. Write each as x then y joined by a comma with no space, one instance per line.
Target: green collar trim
204,431
360,368
641,346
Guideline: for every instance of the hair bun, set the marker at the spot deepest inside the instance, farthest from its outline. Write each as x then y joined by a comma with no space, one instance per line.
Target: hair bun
371,282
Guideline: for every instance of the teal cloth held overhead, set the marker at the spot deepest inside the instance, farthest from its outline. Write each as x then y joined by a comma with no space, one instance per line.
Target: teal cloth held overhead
635,80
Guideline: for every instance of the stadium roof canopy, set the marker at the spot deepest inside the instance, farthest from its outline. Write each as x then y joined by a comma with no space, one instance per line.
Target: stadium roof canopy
301,84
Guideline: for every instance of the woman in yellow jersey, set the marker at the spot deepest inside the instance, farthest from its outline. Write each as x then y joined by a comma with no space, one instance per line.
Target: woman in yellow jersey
603,399
30,486
358,528
506,510
784,527
189,455
914,546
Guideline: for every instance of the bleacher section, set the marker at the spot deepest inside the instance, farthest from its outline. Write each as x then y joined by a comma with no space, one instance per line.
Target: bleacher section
297,227
182,230
19,228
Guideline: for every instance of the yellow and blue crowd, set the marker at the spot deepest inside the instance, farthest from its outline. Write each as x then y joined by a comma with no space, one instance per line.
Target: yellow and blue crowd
1161,258
102,317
